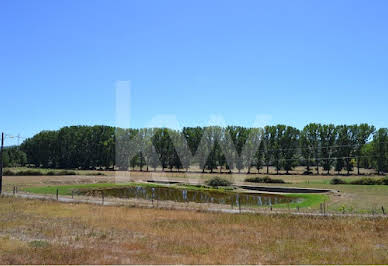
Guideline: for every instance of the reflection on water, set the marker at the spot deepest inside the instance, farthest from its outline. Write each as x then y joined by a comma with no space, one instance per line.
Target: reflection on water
184,195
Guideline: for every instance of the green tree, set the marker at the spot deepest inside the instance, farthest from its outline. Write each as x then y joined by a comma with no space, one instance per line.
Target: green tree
362,134
268,145
346,141
327,136
289,144
380,140
310,145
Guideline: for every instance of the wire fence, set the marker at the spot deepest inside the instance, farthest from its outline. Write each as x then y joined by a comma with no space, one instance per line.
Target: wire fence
183,200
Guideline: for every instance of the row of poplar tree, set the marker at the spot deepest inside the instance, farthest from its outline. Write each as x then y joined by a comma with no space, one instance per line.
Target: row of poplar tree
214,148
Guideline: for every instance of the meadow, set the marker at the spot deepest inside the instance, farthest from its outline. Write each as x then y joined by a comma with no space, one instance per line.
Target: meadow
36,231
365,199
48,232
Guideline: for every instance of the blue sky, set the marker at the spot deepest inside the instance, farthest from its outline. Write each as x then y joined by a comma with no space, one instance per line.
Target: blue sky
290,62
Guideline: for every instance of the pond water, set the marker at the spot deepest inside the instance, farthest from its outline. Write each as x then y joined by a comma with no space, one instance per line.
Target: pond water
185,195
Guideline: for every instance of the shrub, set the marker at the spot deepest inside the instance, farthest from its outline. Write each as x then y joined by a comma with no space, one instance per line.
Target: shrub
95,174
21,172
61,172
66,172
337,181
218,182
8,172
308,172
29,172
361,181
265,179
366,181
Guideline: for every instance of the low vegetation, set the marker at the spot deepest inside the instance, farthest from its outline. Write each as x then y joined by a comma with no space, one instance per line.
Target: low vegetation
35,172
45,172
361,181
337,181
90,234
218,182
265,179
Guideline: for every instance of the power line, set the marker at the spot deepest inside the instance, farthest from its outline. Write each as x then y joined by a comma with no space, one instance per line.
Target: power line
18,137
11,136
322,147
327,158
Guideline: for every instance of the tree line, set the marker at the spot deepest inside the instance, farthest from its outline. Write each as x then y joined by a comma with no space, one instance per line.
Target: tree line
13,156
232,148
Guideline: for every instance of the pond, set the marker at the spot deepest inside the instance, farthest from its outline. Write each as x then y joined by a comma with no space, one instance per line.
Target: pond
187,195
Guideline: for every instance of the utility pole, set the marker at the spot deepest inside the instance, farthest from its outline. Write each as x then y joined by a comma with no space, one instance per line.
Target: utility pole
1,162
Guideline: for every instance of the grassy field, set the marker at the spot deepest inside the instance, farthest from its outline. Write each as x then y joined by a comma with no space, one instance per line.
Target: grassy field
46,232
351,198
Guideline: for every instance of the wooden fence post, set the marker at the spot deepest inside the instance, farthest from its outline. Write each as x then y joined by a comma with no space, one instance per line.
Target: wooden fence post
72,194
239,203
102,197
324,207
57,194
382,208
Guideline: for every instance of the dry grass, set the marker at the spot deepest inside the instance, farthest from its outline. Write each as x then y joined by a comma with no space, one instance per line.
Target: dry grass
44,232
354,198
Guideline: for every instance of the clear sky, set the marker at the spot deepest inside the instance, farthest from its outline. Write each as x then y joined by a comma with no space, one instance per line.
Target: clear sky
290,62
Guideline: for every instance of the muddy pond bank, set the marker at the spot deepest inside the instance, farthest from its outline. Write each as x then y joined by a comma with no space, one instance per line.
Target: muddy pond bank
188,195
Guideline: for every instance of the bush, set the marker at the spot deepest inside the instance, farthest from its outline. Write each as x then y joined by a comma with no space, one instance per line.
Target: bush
95,174
337,181
265,179
361,181
366,181
29,172
308,172
22,172
218,182
61,172
66,172
8,172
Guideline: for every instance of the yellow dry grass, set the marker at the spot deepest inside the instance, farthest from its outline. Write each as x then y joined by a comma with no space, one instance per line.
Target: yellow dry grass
45,232
352,198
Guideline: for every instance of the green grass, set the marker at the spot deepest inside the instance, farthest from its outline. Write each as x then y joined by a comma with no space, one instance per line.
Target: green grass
308,200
